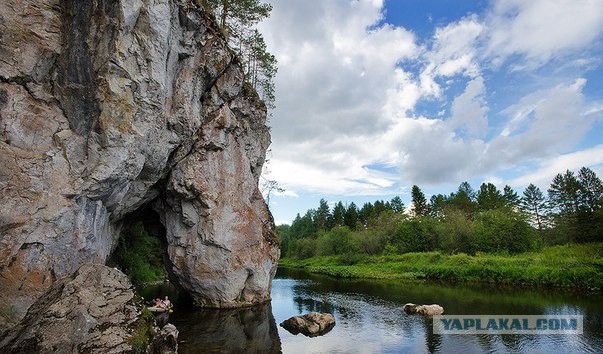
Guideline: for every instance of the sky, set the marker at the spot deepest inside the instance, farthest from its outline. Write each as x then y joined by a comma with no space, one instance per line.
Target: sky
373,96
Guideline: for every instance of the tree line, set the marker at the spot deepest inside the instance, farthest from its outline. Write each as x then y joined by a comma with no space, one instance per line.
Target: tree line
464,221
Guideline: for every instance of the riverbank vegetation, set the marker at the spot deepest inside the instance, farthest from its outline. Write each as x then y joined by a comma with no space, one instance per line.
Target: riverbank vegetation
573,265
488,235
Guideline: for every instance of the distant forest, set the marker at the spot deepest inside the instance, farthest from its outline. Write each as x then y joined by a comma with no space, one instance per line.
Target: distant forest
465,221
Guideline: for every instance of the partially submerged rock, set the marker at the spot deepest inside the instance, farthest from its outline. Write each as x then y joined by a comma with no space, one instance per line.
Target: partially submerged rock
424,310
91,311
165,341
311,324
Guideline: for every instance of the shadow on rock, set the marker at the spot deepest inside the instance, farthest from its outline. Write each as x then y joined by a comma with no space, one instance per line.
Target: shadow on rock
246,330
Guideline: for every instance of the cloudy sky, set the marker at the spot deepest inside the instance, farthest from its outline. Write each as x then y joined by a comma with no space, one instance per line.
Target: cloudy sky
374,96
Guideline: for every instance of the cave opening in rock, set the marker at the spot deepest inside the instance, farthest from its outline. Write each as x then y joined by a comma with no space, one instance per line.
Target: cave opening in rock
141,247
141,253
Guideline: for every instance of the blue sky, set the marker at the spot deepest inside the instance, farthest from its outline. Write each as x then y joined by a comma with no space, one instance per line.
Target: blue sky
374,96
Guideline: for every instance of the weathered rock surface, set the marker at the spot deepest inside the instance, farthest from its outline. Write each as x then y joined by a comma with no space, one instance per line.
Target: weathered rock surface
165,341
107,107
90,312
423,310
311,324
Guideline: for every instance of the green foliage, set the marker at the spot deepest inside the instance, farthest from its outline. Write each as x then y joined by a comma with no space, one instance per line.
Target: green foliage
502,230
489,197
338,214
336,241
419,203
143,332
576,204
284,233
396,204
323,216
415,235
573,265
140,255
457,233
533,204
464,200
237,19
350,219
462,222
511,197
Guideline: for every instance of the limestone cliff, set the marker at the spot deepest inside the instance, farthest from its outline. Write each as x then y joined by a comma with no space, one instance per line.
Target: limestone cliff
111,106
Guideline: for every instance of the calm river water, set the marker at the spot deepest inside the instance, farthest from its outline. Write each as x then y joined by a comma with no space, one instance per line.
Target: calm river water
369,319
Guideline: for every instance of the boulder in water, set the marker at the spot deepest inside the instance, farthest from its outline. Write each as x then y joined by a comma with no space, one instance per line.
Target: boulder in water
165,341
311,324
424,310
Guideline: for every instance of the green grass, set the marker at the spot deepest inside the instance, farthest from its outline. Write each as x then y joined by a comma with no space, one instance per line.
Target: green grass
143,332
576,266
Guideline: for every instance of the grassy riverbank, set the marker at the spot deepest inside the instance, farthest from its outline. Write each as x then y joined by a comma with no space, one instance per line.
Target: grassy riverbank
578,266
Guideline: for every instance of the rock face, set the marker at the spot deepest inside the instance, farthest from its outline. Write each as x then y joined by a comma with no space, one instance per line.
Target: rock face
108,107
311,324
90,312
423,310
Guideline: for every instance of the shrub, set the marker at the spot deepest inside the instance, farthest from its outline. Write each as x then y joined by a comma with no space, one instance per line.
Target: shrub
499,230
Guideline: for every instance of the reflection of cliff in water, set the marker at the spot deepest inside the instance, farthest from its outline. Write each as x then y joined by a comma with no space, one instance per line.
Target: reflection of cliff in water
247,330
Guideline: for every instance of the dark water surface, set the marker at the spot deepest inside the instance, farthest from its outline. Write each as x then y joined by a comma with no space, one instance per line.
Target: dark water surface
369,319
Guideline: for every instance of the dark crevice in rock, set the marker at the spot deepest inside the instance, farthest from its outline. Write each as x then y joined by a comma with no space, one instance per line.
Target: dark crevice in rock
76,79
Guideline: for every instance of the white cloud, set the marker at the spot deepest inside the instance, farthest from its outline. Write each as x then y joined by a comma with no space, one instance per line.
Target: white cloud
469,109
346,98
543,124
539,30
454,48
550,167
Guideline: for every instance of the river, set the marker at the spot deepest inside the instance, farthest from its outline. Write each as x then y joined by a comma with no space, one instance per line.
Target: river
369,319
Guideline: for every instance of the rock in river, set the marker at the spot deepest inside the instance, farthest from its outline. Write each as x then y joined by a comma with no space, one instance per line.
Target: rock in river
311,324
165,341
424,310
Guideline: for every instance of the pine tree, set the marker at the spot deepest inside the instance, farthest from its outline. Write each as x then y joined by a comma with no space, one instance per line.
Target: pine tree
564,193
591,189
351,216
534,204
464,199
489,197
237,19
419,202
437,204
338,214
322,216
511,198
397,205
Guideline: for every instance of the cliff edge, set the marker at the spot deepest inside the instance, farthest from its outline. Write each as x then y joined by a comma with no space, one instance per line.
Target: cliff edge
111,107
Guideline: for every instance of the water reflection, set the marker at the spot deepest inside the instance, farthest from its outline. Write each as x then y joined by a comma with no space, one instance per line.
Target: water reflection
370,320
250,330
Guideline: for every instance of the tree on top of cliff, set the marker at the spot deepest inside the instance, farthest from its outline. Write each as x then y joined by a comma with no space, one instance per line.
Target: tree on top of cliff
237,19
